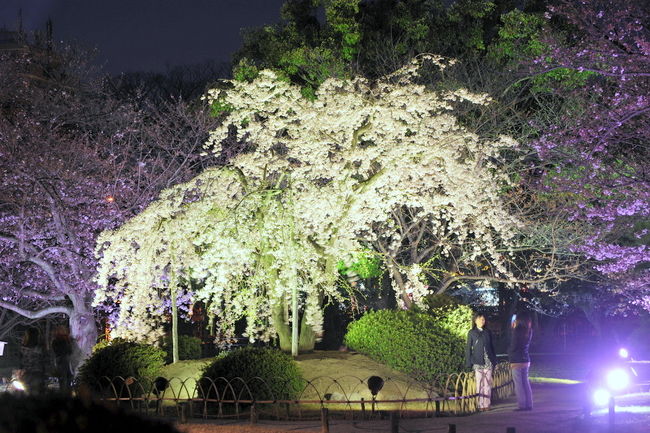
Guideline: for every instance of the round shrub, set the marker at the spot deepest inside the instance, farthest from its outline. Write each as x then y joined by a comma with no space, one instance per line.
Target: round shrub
122,358
188,348
279,373
57,414
418,344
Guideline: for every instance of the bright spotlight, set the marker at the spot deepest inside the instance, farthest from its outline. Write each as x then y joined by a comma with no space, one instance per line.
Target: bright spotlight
601,397
618,379
623,353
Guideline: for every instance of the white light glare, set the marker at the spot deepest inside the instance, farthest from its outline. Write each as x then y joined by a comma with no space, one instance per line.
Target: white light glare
18,385
601,397
618,379
623,353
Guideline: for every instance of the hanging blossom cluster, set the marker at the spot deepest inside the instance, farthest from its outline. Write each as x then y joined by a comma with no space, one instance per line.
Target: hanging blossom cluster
319,177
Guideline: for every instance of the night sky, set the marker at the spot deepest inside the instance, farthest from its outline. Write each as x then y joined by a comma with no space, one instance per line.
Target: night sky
145,35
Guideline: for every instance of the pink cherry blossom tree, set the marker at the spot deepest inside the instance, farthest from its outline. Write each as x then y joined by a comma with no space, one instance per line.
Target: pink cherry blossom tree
75,161
597,157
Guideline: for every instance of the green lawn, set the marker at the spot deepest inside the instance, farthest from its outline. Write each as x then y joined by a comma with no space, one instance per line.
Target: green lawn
557,368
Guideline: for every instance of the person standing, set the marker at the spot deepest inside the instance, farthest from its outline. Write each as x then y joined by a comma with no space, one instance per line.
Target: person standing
522,333
480,356
32,362
62,349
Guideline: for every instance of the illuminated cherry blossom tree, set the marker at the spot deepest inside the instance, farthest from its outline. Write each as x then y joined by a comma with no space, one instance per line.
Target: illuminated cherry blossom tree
597,156
320,181
73,162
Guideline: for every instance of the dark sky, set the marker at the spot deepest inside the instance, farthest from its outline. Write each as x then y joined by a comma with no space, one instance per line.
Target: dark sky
146,35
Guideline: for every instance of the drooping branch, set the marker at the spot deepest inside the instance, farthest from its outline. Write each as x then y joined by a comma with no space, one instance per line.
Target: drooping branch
55,309
531,281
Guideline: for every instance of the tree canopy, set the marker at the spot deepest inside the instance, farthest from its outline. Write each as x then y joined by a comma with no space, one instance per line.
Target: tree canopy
596,154
363,166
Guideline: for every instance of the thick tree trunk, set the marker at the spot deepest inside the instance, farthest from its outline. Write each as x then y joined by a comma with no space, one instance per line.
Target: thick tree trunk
306,339
84,335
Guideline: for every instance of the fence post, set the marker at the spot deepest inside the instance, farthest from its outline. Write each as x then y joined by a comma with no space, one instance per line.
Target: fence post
452,428
394,421
324,420
253,414
363,409
437,408
182,405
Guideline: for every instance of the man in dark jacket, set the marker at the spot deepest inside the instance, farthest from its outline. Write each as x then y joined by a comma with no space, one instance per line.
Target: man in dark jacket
519,359
479,355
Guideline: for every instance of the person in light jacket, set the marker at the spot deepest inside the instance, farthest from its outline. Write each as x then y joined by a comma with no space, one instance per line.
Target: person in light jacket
480,356
519,358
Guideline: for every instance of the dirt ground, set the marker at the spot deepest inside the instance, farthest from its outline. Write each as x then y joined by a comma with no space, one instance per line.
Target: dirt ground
332,374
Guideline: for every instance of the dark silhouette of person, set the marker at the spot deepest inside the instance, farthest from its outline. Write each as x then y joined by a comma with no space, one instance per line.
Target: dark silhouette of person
519,357
32,362
62,350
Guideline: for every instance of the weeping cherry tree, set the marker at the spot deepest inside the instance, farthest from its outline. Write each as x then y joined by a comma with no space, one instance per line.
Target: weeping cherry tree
321,180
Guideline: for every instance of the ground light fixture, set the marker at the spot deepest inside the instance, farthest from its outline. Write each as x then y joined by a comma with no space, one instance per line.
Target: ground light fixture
18,385
601,397
618,379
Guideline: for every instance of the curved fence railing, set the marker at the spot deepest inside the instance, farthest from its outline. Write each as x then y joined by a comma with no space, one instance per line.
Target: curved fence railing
348,397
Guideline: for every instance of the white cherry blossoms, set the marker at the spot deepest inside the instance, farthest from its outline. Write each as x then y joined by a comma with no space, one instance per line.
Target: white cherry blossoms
322,177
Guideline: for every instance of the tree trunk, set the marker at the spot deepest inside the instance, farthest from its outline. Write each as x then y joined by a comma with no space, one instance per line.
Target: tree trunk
306,339
84,335
281,327
174,328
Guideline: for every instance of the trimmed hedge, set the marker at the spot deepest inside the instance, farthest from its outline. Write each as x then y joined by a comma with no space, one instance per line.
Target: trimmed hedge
281,377
188,348
125,359
422,345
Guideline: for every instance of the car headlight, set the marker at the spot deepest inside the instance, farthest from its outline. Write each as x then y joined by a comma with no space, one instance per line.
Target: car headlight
601,397
618,379
18,385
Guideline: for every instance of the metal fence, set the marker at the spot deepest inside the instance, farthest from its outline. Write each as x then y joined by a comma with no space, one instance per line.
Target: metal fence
345,397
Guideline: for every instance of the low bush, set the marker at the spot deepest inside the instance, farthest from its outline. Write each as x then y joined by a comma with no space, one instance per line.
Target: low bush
122,358
269,374
54,414
422,345
188,348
